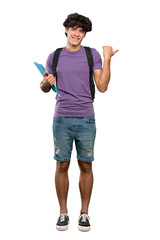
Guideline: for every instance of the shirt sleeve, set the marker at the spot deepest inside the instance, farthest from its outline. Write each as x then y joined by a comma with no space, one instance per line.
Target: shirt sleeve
97,61
49,61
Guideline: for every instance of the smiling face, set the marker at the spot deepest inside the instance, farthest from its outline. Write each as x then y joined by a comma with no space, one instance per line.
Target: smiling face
75,36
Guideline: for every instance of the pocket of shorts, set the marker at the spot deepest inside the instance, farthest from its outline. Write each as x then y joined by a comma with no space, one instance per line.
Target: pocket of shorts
90,119
57,119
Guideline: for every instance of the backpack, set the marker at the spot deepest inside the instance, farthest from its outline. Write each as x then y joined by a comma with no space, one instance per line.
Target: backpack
90,64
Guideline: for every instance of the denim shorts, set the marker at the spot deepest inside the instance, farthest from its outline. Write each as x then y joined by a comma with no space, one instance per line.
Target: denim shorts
82,130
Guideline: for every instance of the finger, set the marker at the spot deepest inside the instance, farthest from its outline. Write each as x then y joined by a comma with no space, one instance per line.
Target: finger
115,51
48,80
45,74
50,76
51,82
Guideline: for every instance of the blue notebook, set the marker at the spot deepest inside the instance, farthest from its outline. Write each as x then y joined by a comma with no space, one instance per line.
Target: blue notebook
42,71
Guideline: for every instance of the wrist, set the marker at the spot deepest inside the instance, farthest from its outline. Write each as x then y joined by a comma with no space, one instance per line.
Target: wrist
107,60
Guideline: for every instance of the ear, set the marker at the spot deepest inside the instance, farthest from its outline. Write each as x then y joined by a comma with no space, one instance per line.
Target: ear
66,30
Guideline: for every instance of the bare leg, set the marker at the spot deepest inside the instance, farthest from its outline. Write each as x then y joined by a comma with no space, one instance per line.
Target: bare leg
85,184
62,184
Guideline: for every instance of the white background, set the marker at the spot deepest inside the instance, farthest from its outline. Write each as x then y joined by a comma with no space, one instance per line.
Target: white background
126,194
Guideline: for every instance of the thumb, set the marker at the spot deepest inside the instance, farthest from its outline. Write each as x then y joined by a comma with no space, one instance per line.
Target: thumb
115,51
45,74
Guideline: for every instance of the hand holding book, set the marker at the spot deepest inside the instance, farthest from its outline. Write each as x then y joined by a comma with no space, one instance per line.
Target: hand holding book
50,80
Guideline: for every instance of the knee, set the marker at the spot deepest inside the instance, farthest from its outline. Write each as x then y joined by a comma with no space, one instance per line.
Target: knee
62,167
85,167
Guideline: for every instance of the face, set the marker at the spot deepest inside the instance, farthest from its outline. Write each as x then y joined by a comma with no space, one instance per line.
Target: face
75,35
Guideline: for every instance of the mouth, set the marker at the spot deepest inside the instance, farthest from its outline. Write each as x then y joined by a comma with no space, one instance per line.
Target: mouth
76,38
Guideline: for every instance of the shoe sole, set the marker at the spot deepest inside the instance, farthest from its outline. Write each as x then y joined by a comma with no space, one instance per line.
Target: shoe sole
62,228
84,229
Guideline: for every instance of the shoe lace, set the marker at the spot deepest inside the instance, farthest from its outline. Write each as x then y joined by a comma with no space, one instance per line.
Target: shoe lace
62,217
84,216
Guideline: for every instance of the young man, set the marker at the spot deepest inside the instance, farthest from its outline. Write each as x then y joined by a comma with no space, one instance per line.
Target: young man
74,118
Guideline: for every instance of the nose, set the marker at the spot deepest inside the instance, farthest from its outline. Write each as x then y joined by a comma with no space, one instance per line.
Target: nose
77,32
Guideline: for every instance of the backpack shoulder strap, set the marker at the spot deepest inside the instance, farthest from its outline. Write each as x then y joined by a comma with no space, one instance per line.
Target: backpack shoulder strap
55,59
90,58
90,64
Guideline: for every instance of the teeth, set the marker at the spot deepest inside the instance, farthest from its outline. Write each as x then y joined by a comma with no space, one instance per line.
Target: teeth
75,38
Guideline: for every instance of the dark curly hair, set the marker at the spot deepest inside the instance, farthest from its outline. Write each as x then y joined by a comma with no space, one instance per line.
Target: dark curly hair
79,21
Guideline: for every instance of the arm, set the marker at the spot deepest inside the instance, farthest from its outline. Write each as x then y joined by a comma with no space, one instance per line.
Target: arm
102,77
48,81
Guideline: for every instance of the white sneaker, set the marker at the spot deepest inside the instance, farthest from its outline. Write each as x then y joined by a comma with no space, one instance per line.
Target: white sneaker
83,222
62,222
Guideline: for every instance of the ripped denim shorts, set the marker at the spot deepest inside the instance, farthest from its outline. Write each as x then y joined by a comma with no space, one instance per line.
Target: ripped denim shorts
82,130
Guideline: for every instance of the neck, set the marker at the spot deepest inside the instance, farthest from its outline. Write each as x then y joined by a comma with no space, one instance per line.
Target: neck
72,48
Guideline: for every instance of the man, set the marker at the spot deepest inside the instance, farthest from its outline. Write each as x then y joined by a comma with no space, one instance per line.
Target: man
74,118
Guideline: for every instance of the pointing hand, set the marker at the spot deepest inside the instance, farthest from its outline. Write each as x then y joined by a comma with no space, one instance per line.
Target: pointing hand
108,52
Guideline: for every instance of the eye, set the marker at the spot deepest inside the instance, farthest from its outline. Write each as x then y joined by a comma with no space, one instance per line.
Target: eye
82,31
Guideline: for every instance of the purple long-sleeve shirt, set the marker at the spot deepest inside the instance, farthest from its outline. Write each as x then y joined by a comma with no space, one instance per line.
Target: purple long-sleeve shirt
73,82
